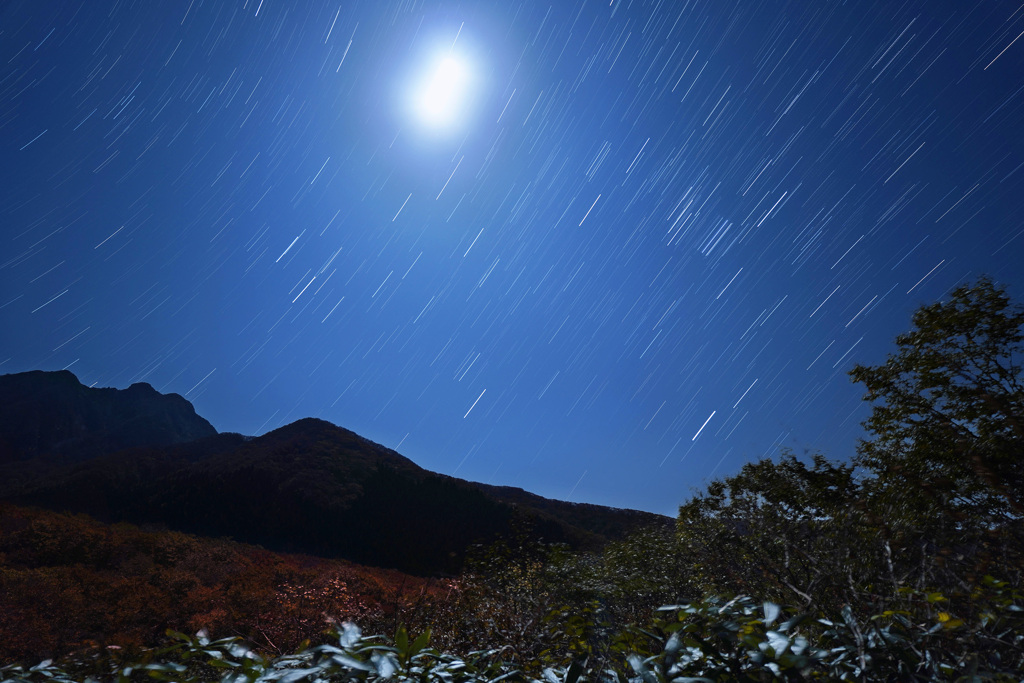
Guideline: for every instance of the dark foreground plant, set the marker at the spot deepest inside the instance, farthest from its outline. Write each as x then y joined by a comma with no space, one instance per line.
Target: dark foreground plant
714,639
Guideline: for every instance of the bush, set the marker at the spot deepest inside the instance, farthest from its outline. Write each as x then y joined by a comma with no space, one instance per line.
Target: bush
713,639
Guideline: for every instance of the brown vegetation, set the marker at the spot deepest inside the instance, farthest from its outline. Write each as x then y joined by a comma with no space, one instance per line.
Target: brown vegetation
68,582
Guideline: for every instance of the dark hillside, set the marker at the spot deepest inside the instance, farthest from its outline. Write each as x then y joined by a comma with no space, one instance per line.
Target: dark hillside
68,582
308,487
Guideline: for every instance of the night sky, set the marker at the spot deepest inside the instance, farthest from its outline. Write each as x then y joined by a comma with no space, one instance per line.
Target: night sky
632,246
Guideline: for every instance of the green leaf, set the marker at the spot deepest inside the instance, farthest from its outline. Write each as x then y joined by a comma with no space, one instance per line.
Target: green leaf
402,640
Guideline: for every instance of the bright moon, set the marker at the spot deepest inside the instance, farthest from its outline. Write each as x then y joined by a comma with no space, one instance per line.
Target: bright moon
442,97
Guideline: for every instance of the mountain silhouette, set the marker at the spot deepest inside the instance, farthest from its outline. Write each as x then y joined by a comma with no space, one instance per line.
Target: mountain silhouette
52,414
309,487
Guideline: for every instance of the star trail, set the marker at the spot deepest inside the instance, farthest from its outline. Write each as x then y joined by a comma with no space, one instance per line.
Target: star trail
645,246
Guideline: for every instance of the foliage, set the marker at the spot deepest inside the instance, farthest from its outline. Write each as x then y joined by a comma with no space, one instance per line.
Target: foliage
951,404
542,603
781,530
649,567
742,639
931,505
507,593
68,582
932,499
713,639
945,440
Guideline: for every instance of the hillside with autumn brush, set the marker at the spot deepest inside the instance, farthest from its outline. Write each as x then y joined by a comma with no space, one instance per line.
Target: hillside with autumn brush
125,513
69,583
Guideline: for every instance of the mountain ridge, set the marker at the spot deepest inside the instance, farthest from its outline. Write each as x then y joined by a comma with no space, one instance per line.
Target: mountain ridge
54,415
309,486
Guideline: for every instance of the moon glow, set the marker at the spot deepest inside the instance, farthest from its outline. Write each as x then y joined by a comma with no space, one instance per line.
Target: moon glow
441,99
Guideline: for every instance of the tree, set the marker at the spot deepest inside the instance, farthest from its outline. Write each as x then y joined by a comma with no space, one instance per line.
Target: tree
784,530
646,569
945,452
949,410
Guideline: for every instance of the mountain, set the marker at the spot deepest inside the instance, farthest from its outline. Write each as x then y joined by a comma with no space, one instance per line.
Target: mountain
52,414
308,487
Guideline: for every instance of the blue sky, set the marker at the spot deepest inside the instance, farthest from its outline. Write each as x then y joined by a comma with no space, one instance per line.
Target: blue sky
644,249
